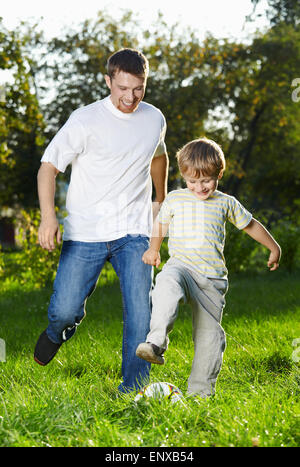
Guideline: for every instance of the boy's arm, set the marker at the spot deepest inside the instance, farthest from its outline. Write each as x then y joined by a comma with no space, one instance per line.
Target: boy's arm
152,256
259,233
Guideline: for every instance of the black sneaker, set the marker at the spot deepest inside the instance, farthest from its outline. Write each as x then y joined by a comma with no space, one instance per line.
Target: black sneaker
45,349
150,352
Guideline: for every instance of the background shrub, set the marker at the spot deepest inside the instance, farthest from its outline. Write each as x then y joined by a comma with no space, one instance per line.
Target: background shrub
287,234
37,267
34,264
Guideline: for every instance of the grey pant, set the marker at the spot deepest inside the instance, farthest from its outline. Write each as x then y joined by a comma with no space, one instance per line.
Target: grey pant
177,281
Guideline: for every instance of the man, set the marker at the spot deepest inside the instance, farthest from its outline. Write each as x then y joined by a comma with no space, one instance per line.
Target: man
115,146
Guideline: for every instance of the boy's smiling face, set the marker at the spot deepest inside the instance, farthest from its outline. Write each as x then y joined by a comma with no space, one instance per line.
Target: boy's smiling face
202,187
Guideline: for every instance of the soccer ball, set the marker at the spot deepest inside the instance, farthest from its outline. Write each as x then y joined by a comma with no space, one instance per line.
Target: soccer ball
160,391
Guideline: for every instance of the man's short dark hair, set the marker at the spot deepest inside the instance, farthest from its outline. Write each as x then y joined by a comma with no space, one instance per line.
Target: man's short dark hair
128,60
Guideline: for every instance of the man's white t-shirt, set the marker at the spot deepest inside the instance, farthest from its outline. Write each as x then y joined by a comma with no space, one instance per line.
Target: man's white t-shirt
109,194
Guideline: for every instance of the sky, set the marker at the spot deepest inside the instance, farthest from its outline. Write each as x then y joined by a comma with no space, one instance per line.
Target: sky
223,18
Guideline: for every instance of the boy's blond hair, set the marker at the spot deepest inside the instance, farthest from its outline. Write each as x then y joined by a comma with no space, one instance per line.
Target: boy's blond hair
201,157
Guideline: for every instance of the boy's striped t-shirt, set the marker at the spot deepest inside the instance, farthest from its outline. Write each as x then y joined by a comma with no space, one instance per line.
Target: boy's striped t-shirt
197,228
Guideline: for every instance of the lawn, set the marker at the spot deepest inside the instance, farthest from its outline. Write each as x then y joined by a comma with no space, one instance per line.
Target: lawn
74,401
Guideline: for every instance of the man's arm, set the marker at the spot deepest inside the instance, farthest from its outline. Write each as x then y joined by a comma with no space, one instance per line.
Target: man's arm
259,233
152,255
159,173
49,227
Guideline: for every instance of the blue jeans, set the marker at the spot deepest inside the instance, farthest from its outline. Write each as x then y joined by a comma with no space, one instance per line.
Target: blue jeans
78,271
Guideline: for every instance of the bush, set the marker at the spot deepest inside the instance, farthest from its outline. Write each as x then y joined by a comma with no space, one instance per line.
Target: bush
238,249
37,267
287,233
1,263
34,264
242,253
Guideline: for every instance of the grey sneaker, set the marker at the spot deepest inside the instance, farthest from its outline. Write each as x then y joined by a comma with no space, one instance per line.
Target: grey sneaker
150,352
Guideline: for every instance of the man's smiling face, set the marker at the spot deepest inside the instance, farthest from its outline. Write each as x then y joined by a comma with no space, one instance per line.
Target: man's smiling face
127,90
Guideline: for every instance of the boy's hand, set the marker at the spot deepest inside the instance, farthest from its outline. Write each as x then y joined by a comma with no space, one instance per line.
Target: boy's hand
151,257
274,259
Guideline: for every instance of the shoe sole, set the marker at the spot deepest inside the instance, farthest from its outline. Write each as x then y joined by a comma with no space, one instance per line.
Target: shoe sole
145,352
40,363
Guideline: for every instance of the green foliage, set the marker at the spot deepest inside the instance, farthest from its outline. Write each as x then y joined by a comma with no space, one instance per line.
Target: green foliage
281,11
1,263
287,233
31,265
242,253
255,92
238,249
237,93
34,265
21,123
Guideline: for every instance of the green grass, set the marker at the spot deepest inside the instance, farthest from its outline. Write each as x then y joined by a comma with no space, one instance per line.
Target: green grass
74,400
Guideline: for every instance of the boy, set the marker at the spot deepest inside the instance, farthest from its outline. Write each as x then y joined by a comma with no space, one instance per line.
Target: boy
195,271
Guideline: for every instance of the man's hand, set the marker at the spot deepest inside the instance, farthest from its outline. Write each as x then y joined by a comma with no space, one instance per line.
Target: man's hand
48,231
151,257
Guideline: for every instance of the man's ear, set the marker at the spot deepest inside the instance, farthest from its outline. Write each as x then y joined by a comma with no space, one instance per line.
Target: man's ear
108,81
220,175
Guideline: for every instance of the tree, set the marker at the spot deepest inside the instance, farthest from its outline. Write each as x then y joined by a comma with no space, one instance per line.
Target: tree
22,125
236,93
78,64
281,11
255,80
